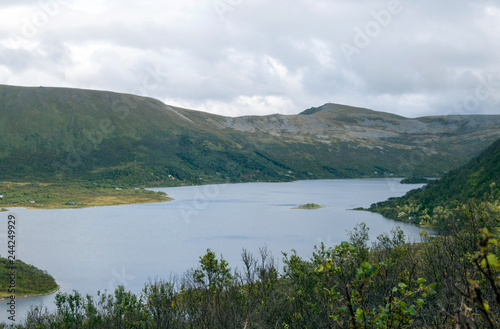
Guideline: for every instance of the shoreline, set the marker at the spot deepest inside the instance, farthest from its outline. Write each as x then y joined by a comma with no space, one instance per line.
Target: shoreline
167,197
50,207
71,195
33,295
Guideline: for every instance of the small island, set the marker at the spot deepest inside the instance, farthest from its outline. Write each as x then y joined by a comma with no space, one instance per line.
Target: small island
309,206
415,180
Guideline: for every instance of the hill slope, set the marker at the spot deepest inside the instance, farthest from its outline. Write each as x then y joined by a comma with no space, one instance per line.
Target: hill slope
48,133
478,179
29,279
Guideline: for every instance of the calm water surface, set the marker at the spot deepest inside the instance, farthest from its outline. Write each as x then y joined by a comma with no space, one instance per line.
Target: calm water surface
95,249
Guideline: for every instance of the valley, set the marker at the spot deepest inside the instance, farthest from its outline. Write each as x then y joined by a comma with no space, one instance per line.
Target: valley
61,135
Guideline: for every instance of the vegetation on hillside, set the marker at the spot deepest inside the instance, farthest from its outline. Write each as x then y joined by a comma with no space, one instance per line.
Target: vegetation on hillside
434,204
73,195
88,141
415,180
62,134
85,148
309,206
446,282
29,280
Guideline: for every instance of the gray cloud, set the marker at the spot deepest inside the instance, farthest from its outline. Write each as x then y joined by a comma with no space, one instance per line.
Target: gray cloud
256,57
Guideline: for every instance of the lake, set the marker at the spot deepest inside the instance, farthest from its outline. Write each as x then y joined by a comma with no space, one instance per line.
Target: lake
97,249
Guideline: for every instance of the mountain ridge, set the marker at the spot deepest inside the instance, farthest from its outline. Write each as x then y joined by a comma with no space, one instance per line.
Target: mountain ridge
71,133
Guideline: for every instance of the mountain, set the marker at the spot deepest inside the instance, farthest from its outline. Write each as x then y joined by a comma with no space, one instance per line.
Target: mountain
48,133
478,180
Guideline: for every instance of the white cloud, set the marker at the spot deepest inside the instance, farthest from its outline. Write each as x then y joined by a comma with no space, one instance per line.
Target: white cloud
242,105
259,57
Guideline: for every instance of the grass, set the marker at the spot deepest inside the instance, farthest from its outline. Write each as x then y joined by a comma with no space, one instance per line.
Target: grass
309,206
42,195
29,280
43,130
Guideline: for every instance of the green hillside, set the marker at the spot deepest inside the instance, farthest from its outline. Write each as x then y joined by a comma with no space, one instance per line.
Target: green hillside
29,280
72,133
49,133
62,134
477,180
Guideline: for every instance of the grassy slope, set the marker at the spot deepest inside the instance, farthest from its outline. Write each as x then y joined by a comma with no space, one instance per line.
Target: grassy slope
49,133
53,195
407,147
29,279
478,179
83,138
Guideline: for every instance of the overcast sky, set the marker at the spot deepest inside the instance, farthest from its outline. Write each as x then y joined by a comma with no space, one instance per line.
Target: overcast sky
240,57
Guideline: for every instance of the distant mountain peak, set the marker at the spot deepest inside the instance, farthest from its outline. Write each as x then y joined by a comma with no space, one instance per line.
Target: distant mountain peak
97,135
332,107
